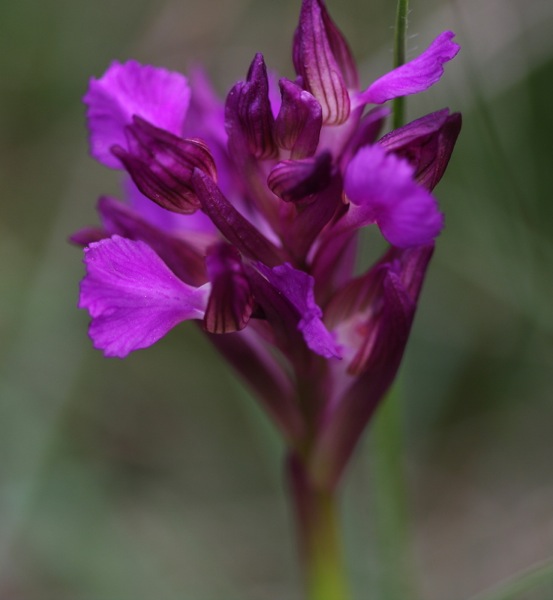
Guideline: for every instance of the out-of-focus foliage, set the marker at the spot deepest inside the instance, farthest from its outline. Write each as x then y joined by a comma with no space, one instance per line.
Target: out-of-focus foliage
157,476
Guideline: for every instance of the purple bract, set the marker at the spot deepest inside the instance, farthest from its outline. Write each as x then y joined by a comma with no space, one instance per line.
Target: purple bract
244,216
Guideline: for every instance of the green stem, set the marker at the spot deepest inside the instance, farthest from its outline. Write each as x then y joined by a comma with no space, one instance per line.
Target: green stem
399,57
392,527
390,499
325,578
318,526
391,506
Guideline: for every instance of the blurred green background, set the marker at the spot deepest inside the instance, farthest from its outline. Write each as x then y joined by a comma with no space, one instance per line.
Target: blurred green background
158,476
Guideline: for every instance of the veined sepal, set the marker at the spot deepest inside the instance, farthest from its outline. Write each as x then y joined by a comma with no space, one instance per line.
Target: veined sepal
249,118
230,302
372,316
300,180
161,165
324,62
299,121
427,143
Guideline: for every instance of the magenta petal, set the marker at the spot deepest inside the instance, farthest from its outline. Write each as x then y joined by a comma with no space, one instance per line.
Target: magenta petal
413,222
382,190
157,95
297,287
415,76
133,297
182,254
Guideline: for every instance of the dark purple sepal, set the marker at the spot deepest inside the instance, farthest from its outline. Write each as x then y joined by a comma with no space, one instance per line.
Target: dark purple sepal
253,360
313,216
323,60
300,180
334,262
377,312
427,144
230,303
182,257
161,165
299,121
236,228
249,119
340,50
357,307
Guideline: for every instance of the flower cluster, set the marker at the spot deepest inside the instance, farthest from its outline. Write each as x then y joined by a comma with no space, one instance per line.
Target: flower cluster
245,215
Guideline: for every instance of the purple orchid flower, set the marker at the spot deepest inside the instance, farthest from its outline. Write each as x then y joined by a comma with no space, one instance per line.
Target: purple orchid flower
244,217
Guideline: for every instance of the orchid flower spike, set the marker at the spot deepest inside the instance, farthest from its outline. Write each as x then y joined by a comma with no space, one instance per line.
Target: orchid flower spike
243,216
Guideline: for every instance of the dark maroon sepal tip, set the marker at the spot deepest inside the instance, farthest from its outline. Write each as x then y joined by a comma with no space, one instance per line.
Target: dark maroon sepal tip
322,58
299,121
161,165
300,180
248,114
427,143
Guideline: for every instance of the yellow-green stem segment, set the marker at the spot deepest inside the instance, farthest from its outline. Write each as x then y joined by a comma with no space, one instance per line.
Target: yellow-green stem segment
325,577
319,533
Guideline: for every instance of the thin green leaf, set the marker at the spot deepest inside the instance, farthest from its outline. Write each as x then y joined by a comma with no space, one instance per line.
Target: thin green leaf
534,577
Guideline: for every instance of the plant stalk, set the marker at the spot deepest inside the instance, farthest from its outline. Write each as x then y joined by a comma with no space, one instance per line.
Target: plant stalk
318,527
402,13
